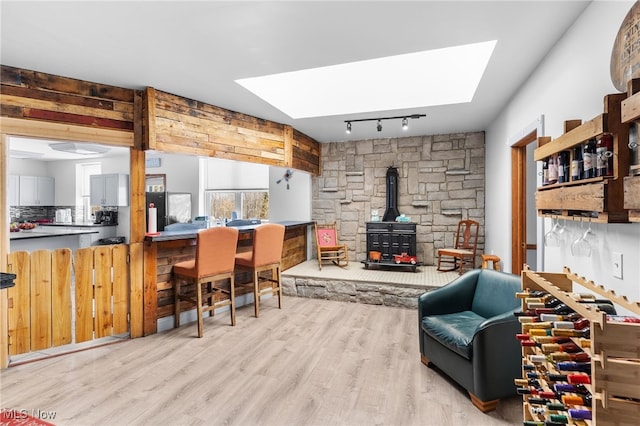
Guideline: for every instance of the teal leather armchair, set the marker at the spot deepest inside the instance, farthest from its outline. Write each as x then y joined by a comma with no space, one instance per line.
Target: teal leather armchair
468,330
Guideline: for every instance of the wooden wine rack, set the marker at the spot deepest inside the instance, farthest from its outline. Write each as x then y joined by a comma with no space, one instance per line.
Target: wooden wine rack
631,113
600,199
614,348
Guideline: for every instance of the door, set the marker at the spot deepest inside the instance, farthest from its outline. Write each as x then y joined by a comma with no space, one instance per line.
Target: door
524,222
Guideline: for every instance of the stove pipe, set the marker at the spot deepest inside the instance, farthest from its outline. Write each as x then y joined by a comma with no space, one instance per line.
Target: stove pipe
391,212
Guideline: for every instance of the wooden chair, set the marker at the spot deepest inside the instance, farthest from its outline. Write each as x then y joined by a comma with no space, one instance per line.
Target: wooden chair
214,262
265,255
329,247
464,249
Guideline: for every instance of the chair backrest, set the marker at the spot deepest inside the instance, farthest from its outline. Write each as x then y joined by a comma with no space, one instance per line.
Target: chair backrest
467,235
268,240
216,250
326,235
495,293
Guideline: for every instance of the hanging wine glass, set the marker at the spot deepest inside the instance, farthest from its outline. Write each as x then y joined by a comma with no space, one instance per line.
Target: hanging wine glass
551,238
590,236
563,232
581,247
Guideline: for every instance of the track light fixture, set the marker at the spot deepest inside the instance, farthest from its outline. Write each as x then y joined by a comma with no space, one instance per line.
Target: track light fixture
405,121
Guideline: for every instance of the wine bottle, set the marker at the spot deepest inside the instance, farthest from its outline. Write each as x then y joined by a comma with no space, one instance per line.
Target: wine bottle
553,169
545,171
569,388
604,155
576,163
579,414
574,366
588,159
562,309
564,169
577,400
566,356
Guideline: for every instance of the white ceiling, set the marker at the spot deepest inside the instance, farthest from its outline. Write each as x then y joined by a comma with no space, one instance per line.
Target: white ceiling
198,49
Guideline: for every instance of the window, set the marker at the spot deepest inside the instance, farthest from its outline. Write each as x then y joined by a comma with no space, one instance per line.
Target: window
83,189
252,204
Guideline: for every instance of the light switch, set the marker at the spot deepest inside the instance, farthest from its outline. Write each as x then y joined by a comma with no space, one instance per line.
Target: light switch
616,264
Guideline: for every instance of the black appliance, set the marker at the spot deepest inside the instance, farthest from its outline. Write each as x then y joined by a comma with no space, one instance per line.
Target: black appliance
172,207
391,212
106,217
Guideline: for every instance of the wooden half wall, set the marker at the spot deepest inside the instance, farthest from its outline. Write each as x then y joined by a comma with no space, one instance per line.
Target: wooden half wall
186,126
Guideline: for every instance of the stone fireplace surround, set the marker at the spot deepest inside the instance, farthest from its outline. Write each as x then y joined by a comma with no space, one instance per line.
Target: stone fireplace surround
441,181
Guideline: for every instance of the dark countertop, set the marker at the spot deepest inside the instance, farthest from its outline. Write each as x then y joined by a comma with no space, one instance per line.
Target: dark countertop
78,224
35,233
188,234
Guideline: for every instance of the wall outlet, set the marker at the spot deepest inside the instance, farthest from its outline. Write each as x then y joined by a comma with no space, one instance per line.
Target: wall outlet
616,264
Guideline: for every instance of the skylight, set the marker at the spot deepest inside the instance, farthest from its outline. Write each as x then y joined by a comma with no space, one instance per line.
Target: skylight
434,77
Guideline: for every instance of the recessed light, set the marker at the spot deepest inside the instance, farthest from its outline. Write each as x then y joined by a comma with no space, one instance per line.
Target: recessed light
435,77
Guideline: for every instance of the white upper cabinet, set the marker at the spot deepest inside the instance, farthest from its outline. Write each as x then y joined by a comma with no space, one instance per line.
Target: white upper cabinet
14,190
36,191
109,190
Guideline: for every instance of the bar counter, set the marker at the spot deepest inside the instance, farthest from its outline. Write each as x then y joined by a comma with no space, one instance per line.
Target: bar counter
165,249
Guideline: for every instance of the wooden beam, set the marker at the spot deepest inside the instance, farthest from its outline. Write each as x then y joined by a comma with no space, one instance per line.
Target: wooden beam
69,132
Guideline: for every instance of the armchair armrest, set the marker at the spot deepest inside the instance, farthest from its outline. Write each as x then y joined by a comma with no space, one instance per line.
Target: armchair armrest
457,296
497,356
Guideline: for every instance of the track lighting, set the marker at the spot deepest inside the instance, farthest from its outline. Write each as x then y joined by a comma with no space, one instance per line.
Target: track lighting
405,121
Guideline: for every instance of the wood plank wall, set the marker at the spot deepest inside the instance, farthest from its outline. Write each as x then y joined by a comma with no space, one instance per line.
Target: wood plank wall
187,126
44,97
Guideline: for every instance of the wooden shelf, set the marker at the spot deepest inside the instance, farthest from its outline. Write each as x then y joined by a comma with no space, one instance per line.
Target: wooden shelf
600,198
630,112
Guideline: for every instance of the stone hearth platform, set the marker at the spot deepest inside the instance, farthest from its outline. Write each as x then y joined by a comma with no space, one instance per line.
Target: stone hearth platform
376,286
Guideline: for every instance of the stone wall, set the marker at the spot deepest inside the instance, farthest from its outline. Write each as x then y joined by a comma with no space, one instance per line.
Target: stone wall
441,181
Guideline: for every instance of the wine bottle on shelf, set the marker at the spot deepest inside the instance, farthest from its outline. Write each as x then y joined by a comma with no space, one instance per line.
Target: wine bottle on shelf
584,367
584,400
564,166
545,171
566,356
588,159
604,155
553,169
576,163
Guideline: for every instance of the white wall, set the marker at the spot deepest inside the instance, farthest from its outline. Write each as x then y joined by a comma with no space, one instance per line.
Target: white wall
570,83
289,204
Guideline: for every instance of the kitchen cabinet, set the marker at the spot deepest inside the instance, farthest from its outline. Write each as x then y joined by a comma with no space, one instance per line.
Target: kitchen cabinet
36,191
14,188
109,190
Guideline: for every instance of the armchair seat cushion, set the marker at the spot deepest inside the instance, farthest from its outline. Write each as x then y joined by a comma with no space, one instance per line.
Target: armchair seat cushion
455,331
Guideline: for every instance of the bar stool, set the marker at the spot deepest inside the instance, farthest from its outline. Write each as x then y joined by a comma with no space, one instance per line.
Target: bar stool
215,261
265,255
495,261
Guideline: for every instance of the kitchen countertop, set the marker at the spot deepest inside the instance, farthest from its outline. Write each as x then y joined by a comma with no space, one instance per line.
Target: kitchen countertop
188,234
78,224
41,233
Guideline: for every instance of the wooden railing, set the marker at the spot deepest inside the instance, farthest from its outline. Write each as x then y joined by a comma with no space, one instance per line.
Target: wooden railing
62,297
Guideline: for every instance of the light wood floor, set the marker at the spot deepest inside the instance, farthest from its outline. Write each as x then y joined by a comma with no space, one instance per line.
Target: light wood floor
315,362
